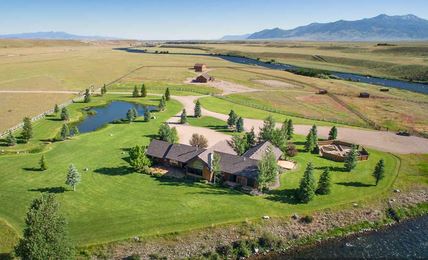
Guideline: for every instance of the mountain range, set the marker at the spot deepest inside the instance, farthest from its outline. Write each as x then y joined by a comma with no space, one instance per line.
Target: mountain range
379,28
54,36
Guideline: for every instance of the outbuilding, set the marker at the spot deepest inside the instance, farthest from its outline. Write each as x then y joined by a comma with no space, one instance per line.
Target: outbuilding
203,78
200,67
364,95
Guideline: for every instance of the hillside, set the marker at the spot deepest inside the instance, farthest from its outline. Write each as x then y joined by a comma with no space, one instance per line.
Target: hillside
379,28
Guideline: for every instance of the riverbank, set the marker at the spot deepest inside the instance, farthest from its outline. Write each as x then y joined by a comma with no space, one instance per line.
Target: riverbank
279,235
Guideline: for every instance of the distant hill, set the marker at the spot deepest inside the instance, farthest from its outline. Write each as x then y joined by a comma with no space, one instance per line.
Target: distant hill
235,37
53,36
379,28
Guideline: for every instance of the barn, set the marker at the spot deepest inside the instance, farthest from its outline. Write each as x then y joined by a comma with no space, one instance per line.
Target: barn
200,67
203,78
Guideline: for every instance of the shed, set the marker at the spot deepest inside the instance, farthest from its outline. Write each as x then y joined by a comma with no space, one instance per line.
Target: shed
364,95
203,78
200,67
322,91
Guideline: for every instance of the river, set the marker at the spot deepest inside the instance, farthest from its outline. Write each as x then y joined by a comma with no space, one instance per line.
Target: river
408,239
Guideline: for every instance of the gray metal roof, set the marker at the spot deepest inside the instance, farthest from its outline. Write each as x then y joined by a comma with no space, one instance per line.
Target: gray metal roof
178,152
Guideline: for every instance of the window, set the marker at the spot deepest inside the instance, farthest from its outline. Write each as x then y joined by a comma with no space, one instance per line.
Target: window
194,171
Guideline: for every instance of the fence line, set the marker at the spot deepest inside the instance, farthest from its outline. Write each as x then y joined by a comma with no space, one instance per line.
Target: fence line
42,115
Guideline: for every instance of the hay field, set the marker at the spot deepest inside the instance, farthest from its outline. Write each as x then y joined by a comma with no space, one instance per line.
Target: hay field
402,60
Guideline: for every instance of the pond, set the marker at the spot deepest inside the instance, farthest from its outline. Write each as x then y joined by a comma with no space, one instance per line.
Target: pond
113,111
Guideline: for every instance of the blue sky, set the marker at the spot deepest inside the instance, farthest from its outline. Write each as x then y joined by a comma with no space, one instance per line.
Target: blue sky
187,19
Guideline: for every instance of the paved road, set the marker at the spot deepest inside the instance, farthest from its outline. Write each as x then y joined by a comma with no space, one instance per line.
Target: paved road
379,140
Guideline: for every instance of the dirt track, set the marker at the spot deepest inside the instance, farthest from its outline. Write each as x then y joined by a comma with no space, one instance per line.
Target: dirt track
379,140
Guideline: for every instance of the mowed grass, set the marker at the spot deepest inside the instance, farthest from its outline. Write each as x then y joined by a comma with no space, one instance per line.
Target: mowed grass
113,202
8,238
160,88
211,123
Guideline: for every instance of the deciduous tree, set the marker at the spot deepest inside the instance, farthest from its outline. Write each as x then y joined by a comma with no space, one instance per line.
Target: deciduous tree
199,141
268,169
233,117
216,168
239,144
45,234
139,160
266,132
168,134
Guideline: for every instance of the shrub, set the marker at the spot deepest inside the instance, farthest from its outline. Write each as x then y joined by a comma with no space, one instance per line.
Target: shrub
242,249
307,219
268,241
291,150
225,250
133,257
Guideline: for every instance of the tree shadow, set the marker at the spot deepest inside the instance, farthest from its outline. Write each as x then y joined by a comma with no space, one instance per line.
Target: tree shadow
299,143
58,189
151,136
334,168
284,196
354,184
54,119
114,171
32,169
220,128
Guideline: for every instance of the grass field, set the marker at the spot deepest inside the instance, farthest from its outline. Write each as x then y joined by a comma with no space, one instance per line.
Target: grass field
130,204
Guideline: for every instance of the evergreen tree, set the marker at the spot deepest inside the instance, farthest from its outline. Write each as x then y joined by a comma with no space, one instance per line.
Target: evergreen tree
167,94
266,132
251,137
173,138
147,115
104,90
332,135
315,133
233,118
43,164
134,113
73,177
10,139
75,130
143,90
268,169
379,171
240,125
162,104
216,168
65,116
56,109
45,234
87,96
290,129
324,184
351,159
279,139
197,111
135,92
310,142
65,132
27,130
183,117
130,116
306,191
138,159
284,129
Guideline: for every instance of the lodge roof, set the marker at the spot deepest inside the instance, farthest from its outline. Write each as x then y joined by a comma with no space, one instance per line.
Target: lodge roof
260,149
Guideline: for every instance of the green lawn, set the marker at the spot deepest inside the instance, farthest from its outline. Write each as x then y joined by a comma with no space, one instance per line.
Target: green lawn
224,106
210,122
114,203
